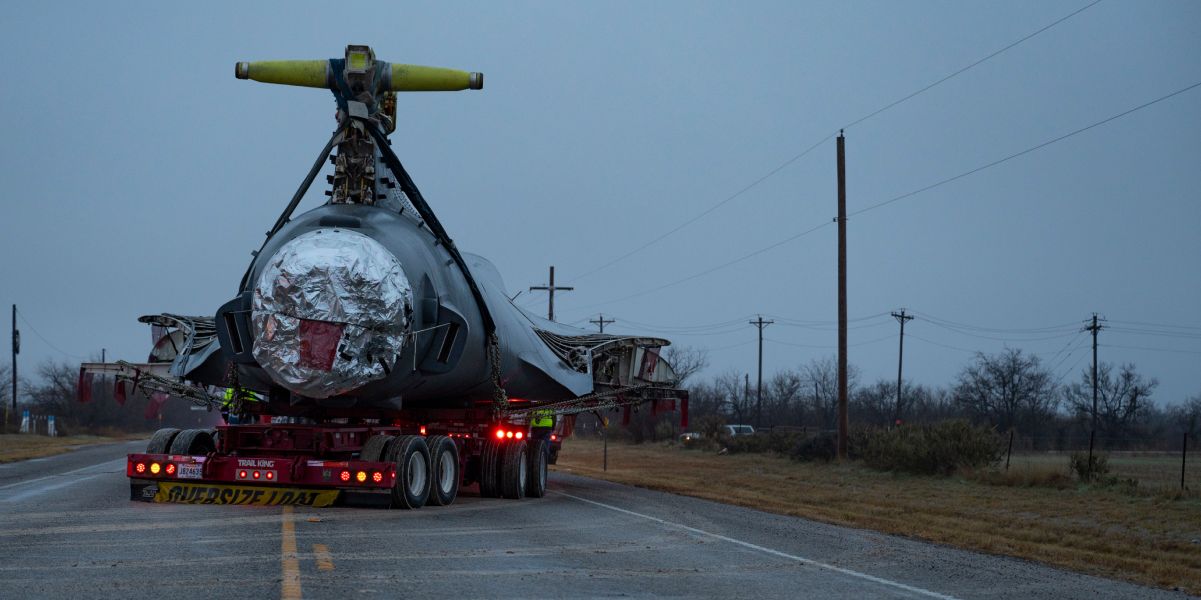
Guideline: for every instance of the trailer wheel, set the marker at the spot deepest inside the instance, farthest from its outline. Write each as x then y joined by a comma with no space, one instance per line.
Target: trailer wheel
535,484
160,442
444,470
193,442
514,470
412,457
490,469
375,448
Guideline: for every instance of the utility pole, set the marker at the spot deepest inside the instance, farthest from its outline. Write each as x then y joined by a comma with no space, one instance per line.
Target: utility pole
551,289
901,318
760,323
746,392
103,355
1093,327
16,351
600,321
843,426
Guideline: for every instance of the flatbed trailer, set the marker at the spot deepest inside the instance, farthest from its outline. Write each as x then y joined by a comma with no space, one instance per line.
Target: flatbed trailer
399,466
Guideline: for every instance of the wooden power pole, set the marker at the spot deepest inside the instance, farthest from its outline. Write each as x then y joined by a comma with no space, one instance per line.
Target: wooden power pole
901,317
550,288
760,323
843,426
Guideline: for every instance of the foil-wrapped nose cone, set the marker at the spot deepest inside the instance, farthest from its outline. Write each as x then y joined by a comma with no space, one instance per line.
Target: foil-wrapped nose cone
331,312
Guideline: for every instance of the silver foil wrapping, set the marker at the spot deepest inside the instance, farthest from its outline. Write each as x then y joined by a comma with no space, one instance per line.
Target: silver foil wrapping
331,312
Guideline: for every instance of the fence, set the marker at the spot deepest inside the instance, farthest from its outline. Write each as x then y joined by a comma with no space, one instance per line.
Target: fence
1154,469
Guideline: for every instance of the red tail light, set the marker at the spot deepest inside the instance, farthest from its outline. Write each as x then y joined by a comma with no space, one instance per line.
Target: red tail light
170,468
256,475
344,476
500,434
377,477
140,467
270,475
423,430
519,435
554,438
508,434
242,474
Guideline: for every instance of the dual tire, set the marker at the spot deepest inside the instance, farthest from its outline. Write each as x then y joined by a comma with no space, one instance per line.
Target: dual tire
427,469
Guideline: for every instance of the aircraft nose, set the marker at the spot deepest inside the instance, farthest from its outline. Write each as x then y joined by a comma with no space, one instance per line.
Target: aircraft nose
331,312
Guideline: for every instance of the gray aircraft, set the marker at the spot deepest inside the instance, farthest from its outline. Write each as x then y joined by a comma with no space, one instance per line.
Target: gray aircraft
365,306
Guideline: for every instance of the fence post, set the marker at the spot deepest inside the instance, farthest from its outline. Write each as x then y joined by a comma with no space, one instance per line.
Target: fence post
1183,458
1009,452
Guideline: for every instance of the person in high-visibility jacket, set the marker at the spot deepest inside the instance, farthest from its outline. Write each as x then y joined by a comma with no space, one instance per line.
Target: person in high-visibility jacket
542,423
229,402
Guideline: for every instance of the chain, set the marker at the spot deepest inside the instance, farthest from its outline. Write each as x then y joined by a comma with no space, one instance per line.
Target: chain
499,398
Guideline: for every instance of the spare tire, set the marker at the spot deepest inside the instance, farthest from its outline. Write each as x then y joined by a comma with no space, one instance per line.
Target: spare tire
193,442
376,448
160,442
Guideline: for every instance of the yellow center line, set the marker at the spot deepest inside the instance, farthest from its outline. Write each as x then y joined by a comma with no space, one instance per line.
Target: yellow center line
325,562
290,564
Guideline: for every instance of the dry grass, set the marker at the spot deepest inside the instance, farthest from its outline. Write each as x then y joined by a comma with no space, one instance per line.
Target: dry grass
14,447
1149,539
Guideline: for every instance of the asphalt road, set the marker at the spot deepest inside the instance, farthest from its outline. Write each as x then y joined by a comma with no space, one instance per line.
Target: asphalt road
67,530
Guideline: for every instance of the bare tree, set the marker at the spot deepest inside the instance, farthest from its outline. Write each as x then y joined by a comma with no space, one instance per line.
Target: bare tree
821,377
686,361
1188,416
784,398
732,393
1123,401
1008,389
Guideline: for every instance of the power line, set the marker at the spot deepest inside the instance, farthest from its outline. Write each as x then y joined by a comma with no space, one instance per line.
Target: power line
1026,151
1175,350
900,197
21,315
969,67
818,143
706,211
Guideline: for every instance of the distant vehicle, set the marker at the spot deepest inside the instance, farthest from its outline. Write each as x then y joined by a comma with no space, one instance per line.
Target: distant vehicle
690,436
737,430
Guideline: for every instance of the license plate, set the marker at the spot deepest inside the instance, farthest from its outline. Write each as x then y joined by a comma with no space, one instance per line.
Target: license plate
190,471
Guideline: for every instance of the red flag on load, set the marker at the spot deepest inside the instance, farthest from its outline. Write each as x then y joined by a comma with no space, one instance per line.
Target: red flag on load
119,392
155,404
83,392
319,343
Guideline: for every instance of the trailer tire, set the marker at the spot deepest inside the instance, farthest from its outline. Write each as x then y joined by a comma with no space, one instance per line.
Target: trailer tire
376,448
514,470
160,442
535,483
490,468
412,457
445,475
193,442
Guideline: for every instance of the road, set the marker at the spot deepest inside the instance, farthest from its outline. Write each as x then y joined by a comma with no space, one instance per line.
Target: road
68,530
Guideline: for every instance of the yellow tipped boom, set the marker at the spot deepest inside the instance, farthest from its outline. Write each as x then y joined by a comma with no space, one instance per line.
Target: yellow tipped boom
401,78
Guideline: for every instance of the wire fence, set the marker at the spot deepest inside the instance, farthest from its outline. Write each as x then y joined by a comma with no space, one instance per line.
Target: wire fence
1164,467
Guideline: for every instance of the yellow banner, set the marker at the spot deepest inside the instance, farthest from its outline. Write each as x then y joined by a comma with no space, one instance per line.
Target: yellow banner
198,493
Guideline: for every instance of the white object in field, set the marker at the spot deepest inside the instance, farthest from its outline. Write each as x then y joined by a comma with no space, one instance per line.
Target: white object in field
25,421
50,426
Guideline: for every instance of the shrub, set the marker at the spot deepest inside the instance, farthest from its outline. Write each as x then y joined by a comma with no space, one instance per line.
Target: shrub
777,441
823,447
1086,470
937,449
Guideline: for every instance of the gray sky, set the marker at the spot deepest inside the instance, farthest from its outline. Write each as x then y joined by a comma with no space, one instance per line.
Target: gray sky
139,173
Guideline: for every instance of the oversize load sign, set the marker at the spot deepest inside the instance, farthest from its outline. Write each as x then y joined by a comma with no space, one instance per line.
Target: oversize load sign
192,493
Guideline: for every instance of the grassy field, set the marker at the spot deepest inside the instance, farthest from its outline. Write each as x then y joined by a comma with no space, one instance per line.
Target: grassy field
1154,539
1154,471
14,446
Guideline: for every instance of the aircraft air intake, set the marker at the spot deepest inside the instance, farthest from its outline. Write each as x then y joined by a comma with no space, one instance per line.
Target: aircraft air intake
331,312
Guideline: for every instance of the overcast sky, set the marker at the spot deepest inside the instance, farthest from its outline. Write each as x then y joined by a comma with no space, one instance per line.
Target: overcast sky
139,173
